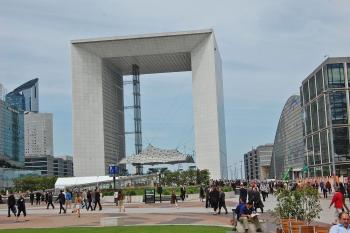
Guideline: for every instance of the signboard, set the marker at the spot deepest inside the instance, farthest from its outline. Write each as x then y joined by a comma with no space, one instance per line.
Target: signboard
150,195
113,169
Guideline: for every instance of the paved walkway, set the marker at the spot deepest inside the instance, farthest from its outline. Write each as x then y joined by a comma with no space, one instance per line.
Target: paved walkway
189,212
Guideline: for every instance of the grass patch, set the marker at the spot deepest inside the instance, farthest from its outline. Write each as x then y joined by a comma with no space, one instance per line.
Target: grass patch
128,229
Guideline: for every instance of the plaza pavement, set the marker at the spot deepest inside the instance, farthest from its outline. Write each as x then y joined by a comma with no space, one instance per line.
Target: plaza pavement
189,213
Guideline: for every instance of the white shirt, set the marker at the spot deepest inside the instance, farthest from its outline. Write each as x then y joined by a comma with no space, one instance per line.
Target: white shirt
339,228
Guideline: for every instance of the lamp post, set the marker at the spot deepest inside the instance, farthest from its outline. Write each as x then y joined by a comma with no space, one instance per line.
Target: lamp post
330,126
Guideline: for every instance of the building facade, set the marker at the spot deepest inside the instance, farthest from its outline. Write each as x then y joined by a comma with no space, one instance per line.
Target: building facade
257,162
38,134
43,164
63,166
325,102
2,92
98,67
11,136
25,97
288,152
7,175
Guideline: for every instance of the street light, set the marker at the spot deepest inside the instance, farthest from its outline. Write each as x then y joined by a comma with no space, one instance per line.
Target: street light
329,118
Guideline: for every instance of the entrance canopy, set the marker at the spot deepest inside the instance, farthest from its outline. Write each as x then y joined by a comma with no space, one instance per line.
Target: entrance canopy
153,156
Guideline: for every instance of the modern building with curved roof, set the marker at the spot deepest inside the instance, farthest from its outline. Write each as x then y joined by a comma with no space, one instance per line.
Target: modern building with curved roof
25,97
288,152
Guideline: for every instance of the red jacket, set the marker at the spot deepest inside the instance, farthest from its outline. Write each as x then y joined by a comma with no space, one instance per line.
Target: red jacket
337,200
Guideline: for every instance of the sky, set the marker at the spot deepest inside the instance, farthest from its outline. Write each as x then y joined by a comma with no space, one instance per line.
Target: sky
267,49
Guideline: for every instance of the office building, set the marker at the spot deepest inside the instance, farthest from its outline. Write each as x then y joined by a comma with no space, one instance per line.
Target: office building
325,103
11,136
98,67
288,149
43,164
257,162
25,97
63,166
2,92
38,134
7,176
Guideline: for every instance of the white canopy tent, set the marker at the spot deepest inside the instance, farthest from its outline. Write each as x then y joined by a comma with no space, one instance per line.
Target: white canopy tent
67,182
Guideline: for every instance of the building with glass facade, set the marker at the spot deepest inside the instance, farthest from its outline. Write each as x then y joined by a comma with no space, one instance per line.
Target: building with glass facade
11,136
44,164
288,150
325,103
7,175
25,97
257,162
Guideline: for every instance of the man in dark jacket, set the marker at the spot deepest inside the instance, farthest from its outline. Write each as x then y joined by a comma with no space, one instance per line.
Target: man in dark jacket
243,193
214,198
21,207
222,201
97,199
11,204
89,198
62,200
31,197
38,198
49,200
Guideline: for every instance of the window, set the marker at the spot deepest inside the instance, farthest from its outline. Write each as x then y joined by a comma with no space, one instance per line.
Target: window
321,112
335,75
306,92
308,120
341,144
339,107
319,82
310,151
324,147
317,156
314,116
312,87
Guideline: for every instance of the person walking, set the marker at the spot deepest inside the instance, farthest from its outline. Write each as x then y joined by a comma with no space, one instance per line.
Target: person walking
11,205
222,203
264,191
68,197
78,202
173,199
337,200
89,199
38,198
343,225
121,201
116,197
62,200
49,200
21,205
257,200
207,197
243,193
214,198
201,193
31,197
328,187
97,199
182,192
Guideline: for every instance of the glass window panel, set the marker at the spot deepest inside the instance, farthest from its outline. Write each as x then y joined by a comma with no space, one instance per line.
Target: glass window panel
312,87
312,172
324,146
301,96
321,112
306,92
341,143
317,155
319,82
308,120
314,116
326,171
339,107
310,152
335,75
318,171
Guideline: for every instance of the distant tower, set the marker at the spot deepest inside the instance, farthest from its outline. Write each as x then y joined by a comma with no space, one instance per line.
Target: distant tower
2,92
25,97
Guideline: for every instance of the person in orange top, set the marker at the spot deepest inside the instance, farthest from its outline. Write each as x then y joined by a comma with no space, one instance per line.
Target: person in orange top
337,200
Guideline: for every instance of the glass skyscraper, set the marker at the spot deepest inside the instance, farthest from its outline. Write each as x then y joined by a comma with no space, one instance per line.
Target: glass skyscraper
288,151
11,135
25,97
325,103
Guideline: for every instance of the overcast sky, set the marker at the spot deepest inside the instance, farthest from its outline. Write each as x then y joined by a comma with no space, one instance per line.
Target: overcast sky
267,49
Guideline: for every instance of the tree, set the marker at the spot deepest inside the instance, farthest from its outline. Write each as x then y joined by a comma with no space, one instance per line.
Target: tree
34,183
